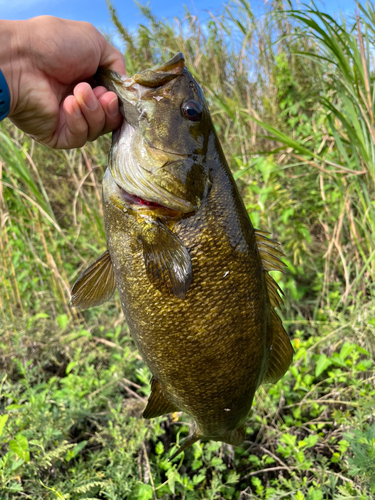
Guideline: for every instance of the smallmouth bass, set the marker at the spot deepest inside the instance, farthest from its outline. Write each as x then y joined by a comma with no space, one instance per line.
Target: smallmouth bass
191,271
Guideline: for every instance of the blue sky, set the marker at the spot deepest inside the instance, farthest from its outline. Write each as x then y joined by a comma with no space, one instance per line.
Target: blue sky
96,12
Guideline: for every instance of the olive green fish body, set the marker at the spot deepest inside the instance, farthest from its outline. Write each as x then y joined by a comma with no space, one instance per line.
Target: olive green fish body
191,271
210,351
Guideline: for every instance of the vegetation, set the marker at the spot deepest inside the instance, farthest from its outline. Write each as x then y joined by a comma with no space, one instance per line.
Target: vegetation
292,96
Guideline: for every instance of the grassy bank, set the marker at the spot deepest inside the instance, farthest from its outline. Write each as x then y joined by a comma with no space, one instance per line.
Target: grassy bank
292,96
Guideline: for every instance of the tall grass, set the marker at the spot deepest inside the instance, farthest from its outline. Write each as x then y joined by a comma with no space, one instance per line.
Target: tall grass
345,157
39,246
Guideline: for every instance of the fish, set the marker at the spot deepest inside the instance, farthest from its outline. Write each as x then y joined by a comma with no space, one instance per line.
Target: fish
191,271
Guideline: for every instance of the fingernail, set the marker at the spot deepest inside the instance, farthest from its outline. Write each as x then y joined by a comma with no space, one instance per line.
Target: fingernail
77,109
112,108
90,100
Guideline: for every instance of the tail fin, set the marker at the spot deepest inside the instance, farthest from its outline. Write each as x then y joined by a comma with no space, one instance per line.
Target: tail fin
189,441
236,438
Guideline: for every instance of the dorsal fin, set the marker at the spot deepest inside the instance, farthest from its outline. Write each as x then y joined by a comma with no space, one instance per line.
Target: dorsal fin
96,284
281,349
158,403
269,253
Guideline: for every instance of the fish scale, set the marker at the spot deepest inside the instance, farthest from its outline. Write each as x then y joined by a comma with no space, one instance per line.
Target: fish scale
191,271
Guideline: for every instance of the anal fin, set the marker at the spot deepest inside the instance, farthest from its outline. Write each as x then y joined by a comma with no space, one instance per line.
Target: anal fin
167,261
158,404
96,284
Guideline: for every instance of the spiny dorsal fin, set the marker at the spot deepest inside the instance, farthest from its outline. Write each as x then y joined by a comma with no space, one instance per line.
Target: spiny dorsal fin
96,285
281,349
269,253
167,261
158,403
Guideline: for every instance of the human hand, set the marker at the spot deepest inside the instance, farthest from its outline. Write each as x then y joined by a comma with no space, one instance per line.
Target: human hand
45,61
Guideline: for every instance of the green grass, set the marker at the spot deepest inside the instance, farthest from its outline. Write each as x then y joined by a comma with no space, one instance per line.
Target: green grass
72,422
292,98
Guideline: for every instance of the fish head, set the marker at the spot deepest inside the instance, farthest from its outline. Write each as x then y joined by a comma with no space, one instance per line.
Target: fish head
159,153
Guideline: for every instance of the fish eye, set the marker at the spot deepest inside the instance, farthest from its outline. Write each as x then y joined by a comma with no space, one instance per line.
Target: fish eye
192,110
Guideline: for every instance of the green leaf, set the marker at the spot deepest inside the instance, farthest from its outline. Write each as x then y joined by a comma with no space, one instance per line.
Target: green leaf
62,320
309,442
159,448
142,492
14,407
3,421
34,318
70,366
198,478
75,451
171,475
20,447
289,439
346,349
233,477
322,364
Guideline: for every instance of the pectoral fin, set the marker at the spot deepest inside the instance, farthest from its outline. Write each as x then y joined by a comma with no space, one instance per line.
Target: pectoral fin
167,261
96,285
158,403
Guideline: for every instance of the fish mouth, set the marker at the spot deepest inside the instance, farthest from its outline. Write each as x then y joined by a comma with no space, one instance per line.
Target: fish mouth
141,205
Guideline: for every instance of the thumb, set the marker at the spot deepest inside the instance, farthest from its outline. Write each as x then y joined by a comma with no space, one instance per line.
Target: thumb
111,58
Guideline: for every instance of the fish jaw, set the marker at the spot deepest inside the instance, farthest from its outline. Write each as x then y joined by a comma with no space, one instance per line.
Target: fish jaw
114,194
176,182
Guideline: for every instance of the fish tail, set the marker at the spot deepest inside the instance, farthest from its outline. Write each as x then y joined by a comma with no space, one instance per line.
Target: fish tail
235,438
189,441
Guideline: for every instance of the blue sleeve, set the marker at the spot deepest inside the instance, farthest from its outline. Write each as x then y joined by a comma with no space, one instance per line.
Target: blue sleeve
4,97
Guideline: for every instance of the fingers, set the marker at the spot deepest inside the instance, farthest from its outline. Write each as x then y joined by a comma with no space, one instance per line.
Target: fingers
73,125
86,115
110,104
91,109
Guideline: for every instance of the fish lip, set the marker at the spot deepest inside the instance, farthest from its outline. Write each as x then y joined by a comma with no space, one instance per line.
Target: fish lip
139,204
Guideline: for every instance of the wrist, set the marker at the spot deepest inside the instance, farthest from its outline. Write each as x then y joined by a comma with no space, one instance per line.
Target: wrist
4,97
11,35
